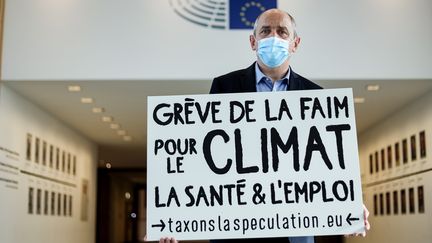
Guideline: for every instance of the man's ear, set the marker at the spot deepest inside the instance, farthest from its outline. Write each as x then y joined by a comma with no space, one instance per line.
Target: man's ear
253,42
295,44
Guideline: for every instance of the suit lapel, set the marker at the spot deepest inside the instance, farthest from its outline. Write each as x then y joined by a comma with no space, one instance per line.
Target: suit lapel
248,82
294,82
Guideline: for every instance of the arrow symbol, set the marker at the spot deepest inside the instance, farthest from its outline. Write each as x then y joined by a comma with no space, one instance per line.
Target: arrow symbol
162,225
348,219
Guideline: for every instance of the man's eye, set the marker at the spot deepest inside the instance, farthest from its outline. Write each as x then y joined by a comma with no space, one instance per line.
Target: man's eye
283,33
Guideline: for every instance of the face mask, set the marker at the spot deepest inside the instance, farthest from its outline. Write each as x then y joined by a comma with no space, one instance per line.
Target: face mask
273,51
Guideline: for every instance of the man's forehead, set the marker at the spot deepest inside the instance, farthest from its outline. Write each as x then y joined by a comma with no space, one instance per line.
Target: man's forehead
274,21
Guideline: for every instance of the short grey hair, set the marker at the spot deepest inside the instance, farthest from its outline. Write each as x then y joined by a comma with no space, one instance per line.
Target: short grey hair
293,23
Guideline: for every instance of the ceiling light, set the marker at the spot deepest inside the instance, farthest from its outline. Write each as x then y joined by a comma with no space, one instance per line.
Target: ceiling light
107,119
121,132
359,100
373,87
127,138
86,100
108,165
98,109
114,126
74,88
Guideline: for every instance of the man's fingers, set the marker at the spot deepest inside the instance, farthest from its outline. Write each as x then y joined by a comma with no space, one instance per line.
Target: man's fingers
164,240
367,225
366,221
168,240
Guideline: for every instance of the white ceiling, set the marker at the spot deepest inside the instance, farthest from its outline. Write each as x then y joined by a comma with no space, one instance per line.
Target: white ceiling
125,101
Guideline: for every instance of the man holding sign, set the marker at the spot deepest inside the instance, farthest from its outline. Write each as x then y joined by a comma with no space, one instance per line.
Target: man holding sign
274,39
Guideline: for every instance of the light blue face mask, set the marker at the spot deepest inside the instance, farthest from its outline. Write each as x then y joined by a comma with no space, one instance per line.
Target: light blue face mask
273,51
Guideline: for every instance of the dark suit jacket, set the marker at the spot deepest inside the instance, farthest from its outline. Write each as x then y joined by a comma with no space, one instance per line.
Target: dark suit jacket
244,80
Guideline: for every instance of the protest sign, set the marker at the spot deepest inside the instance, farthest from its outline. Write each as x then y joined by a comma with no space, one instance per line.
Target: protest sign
253,165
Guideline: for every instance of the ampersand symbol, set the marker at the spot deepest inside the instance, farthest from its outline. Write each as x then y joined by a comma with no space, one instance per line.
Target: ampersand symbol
258,198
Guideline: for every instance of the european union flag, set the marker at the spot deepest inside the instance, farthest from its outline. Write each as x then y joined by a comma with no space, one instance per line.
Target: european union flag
244,12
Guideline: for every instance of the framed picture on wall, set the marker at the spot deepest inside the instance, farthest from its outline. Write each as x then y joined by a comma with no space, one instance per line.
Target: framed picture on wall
411,200
422,136
405,151
30,200
59,197
53,196
403,201
420,199
57,158
37,150
65,208
395,203
28,146
74,165
44,152
375,204
389,157
63,164
381,204
69,163
413,148
84,199
38,201
70,205
45,202
51,155
397,154
376,162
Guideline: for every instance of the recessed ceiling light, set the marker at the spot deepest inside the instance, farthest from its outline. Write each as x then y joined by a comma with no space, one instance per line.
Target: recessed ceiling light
121,132
98,109
359,100
114,126
74,88
127,138
373,87
108,165
107,119
86,100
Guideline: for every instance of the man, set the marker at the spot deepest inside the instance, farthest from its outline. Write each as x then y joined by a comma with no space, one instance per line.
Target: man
274,40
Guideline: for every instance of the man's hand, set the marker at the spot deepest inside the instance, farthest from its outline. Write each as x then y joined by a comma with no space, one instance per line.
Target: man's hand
168,240
366,222
164,239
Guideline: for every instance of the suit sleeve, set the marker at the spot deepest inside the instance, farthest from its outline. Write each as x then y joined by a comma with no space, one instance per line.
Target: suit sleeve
215,87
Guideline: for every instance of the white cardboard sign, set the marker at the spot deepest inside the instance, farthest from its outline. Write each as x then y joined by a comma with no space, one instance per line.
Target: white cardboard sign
252,165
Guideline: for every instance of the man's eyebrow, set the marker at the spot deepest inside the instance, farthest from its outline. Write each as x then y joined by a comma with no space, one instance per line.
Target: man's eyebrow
278,27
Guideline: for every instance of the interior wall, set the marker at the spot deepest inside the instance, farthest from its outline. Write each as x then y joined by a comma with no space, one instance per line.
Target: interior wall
398,194
147,40
45,197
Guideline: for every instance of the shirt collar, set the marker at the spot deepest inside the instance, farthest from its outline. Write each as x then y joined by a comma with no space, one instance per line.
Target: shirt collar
260,75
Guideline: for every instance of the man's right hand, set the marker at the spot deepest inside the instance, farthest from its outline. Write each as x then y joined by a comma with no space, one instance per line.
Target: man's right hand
168,240
164,239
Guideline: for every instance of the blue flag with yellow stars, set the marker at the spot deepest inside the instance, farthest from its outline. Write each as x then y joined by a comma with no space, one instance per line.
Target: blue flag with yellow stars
242,13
